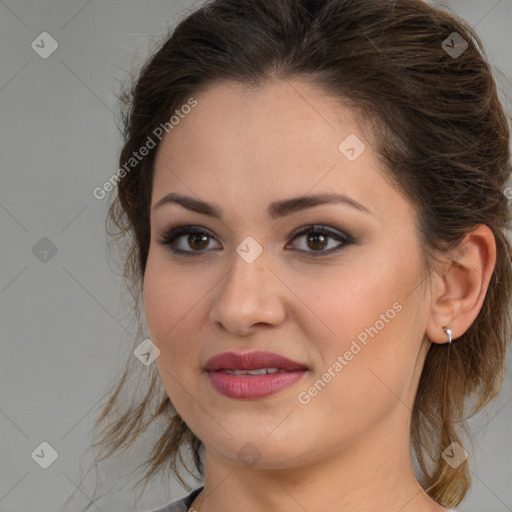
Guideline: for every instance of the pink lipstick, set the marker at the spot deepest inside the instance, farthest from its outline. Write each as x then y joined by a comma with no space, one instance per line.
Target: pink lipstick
252,375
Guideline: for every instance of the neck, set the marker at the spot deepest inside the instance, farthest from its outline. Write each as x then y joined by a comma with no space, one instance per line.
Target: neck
373,473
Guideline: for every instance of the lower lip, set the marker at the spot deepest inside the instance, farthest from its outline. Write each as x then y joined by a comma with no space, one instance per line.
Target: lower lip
253,386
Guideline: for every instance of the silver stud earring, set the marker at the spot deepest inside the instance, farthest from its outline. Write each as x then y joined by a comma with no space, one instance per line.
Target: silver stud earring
448,333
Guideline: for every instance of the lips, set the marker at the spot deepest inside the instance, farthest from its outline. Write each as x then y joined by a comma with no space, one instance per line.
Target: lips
253,375
252,361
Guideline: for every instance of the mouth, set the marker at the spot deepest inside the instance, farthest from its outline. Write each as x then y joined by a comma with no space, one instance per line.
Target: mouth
252,375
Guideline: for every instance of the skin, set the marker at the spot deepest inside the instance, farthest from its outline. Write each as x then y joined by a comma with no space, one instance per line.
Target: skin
348,448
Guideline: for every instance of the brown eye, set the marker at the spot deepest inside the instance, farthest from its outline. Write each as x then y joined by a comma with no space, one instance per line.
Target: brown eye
197,241
317,240
194,244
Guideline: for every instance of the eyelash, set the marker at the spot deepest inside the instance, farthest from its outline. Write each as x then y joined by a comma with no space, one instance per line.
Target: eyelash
174,232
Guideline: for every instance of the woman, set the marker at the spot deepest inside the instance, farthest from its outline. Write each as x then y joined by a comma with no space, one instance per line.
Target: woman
314,192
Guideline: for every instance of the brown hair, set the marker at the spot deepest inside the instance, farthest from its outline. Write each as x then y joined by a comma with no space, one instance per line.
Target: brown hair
442,136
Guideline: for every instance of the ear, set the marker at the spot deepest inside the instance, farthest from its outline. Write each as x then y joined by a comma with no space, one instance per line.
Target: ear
459,291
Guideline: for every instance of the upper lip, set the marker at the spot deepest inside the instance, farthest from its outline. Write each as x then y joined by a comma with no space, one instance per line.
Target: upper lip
251,361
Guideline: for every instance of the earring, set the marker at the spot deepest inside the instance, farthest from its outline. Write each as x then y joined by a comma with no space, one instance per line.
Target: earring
448,333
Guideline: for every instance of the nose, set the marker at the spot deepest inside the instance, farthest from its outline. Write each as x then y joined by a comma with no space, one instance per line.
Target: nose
249,295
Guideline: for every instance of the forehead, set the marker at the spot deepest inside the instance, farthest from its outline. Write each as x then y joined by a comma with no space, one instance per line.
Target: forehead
279,115
268,143
280,126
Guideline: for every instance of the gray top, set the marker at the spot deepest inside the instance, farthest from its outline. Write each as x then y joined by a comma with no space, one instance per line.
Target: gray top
183,504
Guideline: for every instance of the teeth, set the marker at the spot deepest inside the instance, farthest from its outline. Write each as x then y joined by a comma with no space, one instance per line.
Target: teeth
261,371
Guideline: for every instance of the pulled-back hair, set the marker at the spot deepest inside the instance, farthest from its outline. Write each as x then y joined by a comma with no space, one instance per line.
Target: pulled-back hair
441,134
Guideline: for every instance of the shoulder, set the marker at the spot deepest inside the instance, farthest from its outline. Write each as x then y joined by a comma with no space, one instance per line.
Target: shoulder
183,504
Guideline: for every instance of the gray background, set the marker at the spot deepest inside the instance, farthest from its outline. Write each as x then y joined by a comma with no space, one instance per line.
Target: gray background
64,326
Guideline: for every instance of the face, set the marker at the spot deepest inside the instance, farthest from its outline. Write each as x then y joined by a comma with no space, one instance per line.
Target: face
342,297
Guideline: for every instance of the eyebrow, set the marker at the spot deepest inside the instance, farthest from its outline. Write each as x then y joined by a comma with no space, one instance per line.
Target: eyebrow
276,209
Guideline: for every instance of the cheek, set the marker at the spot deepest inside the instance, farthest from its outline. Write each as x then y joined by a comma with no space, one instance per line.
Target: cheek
367,318
159,305
351,301
171,306
171,317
